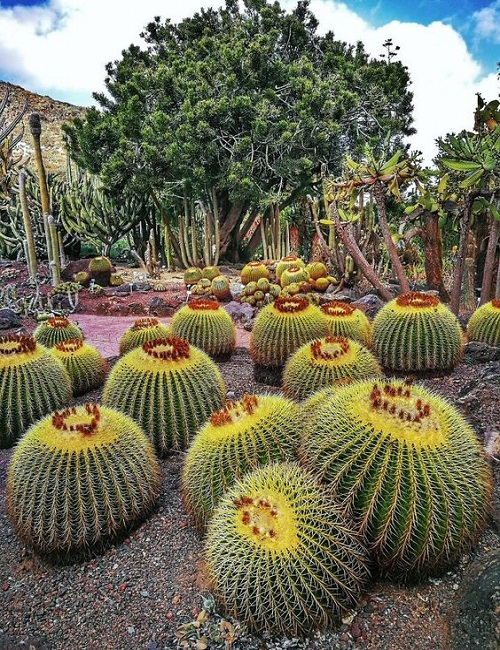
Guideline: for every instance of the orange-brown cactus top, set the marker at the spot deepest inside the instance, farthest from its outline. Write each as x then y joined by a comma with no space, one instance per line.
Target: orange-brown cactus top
291,305
204,304
233,410
143,323
417,299
58,322
22,344
59,420
337,308
383,398
496,303
70,345
171,348
318,350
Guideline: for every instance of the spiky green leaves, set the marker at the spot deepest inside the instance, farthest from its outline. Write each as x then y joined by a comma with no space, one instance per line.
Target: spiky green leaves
484,324
167,386
415,332
407,465
84,364
56,329
143,329
79,478
238,438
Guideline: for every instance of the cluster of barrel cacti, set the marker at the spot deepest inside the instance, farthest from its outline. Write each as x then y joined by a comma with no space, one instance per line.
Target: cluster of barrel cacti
208,281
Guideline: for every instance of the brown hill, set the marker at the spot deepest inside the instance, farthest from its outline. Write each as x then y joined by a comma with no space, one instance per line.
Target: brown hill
52,113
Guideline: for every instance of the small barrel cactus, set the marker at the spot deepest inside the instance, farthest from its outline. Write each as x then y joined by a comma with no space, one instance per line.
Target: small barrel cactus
85,365
100,270
82,277
238,438
407,465
220,287
33,383
142,330
294,275
280,555
327,361
484,324
207,325
286,262
80,478
210,272
116,280
282,327
415,332
349,321
254,271
169,388
316,270
192,275
56,329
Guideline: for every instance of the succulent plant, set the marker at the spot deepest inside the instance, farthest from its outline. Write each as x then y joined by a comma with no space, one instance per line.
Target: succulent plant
415,332
484,324
192,275
254,271
332,360
159,287
80,478
65,288
169,388
321,284
116,280
316,270
349,321
85,365
95,290
207,325
282,327
82,277
238,438
210,272
294,275
220,287
280,555
407,466
100,270
287,262
56,329
142,330
33,383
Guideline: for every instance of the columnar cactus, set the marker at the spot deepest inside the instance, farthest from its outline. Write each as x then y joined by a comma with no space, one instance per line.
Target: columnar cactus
33,383
238,438
207,325
254,271
169,388
484,324
85,365
56,329
281,557
408,467
80,478
415,332
325,362
143,329
349,321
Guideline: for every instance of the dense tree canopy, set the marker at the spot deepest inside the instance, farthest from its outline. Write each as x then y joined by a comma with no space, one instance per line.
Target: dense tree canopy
238,109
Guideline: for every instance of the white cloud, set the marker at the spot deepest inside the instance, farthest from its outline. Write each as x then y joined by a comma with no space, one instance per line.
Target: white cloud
487,21
61,49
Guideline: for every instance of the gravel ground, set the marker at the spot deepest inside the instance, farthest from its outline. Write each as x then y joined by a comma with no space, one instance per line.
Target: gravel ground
148,592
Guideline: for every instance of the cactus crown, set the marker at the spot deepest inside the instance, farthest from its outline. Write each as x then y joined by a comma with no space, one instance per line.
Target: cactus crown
167,349
234,411
417,300
291,305
337,309
203,304
143,323
58,322
70,345
13,344
495,303
330,348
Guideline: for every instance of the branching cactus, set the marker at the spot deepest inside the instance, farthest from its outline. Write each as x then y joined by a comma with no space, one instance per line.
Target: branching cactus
238,438
33,383
143,329
484,324
207,325
349,321
333,360
280,555
408,467
80,478
169,388
85,365
56,329
415,332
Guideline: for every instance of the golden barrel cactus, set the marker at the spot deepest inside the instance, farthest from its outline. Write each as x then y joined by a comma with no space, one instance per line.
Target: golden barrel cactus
293,275
286,262
349,321
484,324
56,329
254,271
84,363
142,330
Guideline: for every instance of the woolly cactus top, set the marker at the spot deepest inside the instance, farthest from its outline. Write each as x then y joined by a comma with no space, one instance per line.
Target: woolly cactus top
204,304
332,349
16,349
70,346
337,309
144,323
416,300
169,350
495,303
58,322
290,305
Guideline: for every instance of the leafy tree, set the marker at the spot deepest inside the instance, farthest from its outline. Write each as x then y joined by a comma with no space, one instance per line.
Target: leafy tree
238,109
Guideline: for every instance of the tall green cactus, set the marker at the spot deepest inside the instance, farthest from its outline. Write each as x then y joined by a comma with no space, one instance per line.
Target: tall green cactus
142,330
484,324
85,364
56,329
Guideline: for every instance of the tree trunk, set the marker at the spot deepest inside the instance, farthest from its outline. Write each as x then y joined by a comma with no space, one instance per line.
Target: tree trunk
229,229
462,250
433,255
489,264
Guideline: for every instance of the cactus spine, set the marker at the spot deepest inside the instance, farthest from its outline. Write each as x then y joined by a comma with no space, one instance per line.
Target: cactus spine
85,365
55,330
79,478
143,329
349,321
280,556
237,439
484,324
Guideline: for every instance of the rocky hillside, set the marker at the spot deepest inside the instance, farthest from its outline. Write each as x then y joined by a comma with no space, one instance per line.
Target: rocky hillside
52,115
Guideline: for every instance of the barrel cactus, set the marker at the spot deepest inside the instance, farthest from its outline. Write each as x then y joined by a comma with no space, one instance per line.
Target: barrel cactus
293,275
142,330
33,383
349,321
238,438
327,361
210,272
484,324
80,478
100,270
254,271
169,388
286,262
207,325
408,467
85,365
415,332
316,270
280,555
220,287
192,275
56,329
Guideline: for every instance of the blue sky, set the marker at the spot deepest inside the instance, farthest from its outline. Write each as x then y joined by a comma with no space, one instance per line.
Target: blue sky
451,47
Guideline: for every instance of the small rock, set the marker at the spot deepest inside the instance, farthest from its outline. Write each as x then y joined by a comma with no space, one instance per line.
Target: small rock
144,593
131,630
476,352
9,319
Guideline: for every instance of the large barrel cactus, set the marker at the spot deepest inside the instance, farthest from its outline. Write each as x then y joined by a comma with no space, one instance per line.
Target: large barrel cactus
79,478
415,332
32,383
325,362
254,271
100,270
282,327
484,324
85,365
286,262
238,438
167,386
142,330
349,321
207,325
56,329
407,465
281,557
294,275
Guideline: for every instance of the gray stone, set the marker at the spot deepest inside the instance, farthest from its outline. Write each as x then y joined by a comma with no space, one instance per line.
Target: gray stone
9,319
370,304
242,312
476,352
